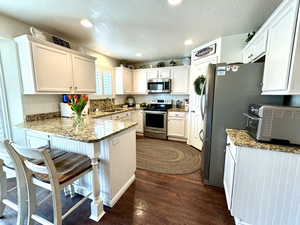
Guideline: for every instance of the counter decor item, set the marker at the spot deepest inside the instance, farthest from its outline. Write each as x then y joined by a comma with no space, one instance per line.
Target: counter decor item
199,84
78,103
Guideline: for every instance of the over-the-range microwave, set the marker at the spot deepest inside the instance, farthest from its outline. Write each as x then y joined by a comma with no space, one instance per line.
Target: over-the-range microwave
159,86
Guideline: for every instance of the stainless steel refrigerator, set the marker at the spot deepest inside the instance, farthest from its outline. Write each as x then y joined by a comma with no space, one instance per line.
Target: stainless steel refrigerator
229,90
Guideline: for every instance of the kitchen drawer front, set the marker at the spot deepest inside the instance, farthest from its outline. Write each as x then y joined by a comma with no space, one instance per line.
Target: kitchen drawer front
177,114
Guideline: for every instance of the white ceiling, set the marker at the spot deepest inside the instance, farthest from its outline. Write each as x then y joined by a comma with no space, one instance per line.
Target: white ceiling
151,27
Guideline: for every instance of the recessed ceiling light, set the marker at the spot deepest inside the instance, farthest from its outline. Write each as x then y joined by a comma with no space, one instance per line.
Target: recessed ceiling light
174,2
188,42
138,54
86,23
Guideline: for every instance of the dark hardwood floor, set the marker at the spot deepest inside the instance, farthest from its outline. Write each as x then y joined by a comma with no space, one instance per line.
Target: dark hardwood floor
153,199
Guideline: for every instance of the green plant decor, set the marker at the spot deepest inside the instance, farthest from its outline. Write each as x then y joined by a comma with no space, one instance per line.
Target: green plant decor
199,84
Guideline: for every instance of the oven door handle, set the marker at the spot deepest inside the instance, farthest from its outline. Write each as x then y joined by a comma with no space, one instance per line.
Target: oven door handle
154,112
251,117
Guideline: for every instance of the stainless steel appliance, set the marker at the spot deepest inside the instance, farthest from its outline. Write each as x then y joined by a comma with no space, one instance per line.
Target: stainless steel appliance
229,90
155,119
275,124
159,86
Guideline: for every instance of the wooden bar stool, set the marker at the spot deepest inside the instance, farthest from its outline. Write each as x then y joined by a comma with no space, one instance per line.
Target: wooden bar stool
9,168
51,174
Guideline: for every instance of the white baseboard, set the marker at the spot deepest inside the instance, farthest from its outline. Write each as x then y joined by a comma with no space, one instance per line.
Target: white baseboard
139,134
121,192
107,201
177,139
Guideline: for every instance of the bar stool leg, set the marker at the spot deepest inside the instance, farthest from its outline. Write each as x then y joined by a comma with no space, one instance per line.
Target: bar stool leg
72,191
31,201
57,208
3,188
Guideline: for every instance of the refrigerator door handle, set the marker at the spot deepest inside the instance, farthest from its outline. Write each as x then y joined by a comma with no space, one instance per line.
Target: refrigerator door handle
201,99
200,136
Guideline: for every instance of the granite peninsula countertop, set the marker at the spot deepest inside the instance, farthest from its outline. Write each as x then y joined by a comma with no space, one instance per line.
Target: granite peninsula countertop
94,130
242,139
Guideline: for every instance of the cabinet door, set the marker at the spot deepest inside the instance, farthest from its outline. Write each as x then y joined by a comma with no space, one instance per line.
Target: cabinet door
228,176
152,73
84,74
53,69
176,127
279,50
180,80
128,81
140,127
164,73
140,81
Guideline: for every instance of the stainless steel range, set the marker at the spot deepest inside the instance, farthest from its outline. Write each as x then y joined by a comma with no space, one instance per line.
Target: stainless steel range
155,119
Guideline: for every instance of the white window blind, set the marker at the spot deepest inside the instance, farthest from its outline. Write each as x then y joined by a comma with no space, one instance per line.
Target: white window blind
107,84
104,82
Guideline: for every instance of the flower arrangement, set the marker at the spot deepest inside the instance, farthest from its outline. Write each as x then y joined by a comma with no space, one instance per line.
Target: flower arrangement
78,103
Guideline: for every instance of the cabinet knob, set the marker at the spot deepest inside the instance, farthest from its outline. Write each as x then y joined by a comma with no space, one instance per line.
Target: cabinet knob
193,111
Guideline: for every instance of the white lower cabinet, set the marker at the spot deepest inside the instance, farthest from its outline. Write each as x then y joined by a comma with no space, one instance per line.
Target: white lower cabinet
262,186
138,117
177,125
36,140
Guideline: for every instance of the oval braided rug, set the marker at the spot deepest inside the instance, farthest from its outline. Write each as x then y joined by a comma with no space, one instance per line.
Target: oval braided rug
166,156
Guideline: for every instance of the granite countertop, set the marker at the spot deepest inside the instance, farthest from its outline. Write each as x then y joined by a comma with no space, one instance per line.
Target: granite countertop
100,114
243,139
94,130
177,110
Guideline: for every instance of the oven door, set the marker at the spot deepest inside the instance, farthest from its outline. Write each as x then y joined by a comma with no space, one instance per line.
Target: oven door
159,86
252,124
155,121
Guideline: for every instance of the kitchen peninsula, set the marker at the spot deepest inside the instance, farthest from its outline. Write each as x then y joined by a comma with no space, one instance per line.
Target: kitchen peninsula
111,145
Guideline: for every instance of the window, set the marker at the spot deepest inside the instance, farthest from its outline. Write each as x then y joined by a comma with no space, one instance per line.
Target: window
104,79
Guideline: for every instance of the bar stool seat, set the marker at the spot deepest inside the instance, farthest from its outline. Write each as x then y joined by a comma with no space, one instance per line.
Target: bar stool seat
68,166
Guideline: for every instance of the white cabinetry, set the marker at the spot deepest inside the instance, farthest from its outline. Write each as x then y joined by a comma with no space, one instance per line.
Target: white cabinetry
259,182
84,74
256,48
47,68
138,117
159,73
176,125
140,81
52,69
36,140
180,80
123,80
279,40
279,51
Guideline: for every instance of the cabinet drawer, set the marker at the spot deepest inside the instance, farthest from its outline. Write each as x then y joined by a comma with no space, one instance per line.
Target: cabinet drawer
176,114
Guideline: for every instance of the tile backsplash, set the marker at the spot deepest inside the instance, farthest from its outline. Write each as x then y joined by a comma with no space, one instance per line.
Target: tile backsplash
102,104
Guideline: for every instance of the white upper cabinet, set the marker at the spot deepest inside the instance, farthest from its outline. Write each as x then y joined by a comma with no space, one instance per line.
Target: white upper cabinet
140,81
180,80
256,49
152,73
84,74
124,80
52,69
279,41
47,68
164,73
279,50
159,73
